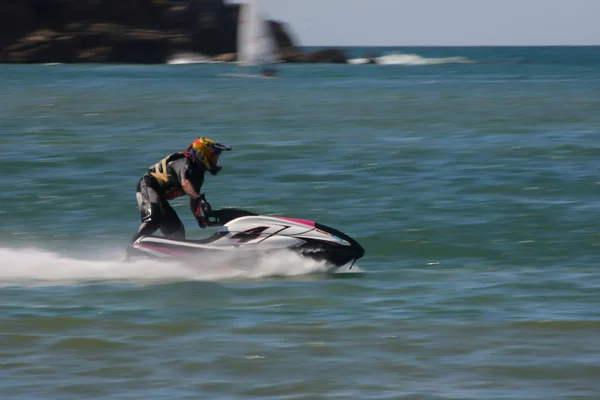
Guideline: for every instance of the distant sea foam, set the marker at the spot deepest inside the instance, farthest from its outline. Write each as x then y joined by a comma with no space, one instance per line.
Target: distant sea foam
411,59
190,58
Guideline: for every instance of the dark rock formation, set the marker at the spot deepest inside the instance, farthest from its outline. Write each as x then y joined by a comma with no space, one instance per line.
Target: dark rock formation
336,56
129,31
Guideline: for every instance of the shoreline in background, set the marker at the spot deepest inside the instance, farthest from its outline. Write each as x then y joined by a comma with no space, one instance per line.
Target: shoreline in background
157,31
146,32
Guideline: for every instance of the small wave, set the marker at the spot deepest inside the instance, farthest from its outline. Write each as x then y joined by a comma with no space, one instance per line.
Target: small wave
36,267
359,61
411,59
189,58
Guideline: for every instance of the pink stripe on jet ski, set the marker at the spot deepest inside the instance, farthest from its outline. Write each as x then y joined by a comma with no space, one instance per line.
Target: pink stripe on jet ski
299,221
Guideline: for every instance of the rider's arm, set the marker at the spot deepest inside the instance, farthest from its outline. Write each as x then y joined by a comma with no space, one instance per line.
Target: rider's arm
188,188
183,169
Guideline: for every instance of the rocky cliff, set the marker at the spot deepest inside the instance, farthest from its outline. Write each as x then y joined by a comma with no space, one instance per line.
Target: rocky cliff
129,31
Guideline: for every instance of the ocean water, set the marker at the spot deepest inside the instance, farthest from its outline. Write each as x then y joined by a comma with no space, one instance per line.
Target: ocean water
470,176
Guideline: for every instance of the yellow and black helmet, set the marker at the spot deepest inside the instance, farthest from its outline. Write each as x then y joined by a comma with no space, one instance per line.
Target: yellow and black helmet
206,152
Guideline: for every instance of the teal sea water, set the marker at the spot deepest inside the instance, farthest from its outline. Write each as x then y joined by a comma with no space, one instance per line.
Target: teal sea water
470,176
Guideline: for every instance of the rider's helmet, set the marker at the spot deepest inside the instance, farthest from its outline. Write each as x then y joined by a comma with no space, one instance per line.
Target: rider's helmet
206,152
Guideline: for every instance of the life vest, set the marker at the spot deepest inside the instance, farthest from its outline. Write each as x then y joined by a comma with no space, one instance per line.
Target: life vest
159,172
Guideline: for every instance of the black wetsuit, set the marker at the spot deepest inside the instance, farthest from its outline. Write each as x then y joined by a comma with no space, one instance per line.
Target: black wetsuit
154,190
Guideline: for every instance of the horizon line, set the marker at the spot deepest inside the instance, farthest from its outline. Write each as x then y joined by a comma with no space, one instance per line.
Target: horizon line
450,45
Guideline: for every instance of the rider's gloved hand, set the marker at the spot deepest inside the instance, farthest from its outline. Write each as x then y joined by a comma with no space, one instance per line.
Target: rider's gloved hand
200,212
201,222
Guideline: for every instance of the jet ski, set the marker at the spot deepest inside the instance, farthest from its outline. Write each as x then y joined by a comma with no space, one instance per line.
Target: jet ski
243,231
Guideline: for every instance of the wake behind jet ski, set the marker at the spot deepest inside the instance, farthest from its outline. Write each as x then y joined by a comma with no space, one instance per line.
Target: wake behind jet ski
244,231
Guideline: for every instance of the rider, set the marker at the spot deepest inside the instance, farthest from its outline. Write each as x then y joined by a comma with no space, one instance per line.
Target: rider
174,176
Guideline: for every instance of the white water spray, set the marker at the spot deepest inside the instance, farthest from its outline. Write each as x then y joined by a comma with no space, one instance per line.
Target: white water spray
29,266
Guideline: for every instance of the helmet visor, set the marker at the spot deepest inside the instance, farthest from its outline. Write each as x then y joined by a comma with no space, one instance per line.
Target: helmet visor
215,150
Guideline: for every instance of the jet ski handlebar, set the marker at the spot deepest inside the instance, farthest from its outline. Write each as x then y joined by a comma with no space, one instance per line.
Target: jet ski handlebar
219,217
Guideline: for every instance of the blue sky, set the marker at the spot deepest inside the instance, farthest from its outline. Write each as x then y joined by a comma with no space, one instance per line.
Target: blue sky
438,22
